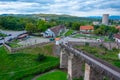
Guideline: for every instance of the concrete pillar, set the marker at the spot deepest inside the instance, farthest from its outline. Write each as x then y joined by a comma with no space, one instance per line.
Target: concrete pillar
74,67
63,59
92,74
87,72
95,75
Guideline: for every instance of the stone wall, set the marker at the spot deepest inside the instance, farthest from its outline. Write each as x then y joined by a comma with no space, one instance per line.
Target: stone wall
108,45
13,50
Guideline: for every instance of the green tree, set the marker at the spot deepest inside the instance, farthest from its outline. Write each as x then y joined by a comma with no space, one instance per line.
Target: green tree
42,25
105,30
30,27
75,25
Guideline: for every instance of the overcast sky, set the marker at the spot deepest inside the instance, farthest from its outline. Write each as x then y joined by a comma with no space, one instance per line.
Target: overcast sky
71,7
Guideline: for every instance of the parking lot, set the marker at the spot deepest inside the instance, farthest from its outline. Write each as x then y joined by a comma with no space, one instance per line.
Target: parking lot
33,40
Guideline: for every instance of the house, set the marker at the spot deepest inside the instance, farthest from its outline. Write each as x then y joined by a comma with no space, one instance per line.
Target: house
86,29
96,23
118,27
117,38
54,31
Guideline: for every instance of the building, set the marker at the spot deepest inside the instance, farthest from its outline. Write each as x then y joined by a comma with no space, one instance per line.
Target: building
54,31
96,23
86,29
105,19
44,18
117,38
22,36
118,27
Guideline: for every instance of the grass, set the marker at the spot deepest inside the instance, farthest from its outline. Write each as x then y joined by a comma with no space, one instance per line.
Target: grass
106,39
69,32
14,44
47,50
111,56
55,75
16,66
2,35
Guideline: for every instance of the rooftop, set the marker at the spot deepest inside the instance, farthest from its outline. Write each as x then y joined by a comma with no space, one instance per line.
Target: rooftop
86,28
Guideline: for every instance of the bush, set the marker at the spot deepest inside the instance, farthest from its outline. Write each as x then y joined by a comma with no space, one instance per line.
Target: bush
86,44
40,57
114,49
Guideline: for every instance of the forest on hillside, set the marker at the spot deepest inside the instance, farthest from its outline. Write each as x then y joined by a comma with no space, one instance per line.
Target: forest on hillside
35,23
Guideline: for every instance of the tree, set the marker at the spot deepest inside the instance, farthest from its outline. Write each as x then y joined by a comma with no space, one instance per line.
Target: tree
41,25
30,27
75,25
105,30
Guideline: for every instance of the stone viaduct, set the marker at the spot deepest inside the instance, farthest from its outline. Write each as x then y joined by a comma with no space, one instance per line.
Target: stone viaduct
79,63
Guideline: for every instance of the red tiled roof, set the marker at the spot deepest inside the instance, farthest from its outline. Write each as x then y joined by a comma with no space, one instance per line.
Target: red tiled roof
57,39
86,28
22,36
117,36
118,27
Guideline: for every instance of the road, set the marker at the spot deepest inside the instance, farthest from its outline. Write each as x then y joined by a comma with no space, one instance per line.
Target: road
14,34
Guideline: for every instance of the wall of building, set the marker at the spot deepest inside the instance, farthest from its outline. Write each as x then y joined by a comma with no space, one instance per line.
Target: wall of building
105,19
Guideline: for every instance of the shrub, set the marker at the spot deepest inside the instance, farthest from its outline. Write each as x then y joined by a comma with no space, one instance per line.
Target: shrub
86,44
40,57
114,49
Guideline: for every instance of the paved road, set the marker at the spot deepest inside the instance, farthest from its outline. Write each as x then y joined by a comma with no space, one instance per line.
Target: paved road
14,34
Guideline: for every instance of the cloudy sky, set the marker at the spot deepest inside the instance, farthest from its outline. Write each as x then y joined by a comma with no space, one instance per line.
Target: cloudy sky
71,7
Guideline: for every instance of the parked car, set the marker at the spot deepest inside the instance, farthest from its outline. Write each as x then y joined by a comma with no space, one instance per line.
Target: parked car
1,38
9,34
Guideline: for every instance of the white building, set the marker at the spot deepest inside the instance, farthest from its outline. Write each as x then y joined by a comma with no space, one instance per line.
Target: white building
54,31
117,38
48,33
96,23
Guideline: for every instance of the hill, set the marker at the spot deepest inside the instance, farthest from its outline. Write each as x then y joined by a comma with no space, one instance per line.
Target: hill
113,17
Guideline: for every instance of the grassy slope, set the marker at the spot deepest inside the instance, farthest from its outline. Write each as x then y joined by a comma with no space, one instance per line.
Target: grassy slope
69,32
14,44
110,56
47,50
15,66
55,75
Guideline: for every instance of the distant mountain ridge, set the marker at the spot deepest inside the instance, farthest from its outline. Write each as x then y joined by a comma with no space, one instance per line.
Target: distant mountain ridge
114,17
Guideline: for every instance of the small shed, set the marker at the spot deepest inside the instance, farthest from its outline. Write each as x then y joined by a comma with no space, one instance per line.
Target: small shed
57,41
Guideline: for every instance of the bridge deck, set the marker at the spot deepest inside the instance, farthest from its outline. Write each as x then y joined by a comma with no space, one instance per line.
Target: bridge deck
106,68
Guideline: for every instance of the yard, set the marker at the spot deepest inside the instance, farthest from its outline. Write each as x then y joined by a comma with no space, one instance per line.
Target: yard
69,32
14,44
2,35
111,56
20,65
105,38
